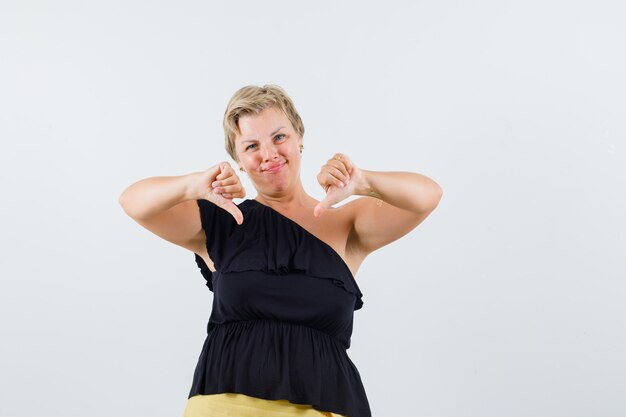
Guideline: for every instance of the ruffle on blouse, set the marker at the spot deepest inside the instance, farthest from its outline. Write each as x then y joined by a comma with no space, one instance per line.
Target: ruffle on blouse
271,242
205,271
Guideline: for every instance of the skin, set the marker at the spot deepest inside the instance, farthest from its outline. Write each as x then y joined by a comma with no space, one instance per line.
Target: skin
268,150
392,203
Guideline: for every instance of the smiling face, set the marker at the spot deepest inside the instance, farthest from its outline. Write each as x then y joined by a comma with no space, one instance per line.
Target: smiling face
268,149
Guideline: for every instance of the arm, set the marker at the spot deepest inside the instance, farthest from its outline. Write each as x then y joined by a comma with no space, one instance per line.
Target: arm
396,202
166,205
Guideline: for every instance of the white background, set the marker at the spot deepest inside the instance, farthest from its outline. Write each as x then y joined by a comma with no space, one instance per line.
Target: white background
507,301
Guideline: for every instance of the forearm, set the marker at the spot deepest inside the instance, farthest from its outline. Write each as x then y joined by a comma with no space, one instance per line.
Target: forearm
150,196
406,190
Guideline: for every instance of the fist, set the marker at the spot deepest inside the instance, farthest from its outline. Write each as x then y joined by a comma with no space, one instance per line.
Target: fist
227,183
335,172
336,177
220,184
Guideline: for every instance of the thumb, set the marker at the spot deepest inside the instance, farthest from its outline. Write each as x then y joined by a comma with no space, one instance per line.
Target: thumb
321,207
232,208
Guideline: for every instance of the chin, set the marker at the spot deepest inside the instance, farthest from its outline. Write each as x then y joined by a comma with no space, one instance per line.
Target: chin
279,186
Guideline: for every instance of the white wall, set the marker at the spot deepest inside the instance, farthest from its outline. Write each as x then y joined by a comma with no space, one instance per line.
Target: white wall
507,301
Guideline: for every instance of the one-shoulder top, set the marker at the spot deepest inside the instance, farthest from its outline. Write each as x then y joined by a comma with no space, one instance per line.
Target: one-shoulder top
282,313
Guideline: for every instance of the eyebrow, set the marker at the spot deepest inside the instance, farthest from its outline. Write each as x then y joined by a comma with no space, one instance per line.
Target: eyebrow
271,134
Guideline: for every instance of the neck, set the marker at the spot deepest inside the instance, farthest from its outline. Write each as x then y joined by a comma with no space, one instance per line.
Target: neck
287,199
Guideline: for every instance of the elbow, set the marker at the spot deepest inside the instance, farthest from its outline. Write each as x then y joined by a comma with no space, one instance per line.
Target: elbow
122,199
122,202
437,197
133,206
428,202
125,204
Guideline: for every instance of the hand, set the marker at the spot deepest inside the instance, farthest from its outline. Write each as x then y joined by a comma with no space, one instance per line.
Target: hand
338,177
220,184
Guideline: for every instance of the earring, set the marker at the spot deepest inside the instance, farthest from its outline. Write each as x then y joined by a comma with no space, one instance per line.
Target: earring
301,147
241,169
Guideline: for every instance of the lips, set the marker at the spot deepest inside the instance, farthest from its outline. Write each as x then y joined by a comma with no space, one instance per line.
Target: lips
273,167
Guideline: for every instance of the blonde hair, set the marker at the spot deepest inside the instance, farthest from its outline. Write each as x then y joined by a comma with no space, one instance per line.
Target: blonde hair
251,100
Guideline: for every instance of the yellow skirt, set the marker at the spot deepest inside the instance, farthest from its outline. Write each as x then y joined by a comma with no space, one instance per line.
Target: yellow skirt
241,405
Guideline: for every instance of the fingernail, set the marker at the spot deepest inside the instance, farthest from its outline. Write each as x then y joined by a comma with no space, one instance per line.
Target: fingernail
341,184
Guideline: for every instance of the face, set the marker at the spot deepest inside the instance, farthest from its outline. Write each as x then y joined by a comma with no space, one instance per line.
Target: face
268,149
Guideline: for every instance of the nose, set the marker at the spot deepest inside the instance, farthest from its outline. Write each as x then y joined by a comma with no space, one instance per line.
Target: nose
268,151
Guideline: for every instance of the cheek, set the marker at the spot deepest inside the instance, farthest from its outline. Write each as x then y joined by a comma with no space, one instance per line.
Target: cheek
246,157
291,150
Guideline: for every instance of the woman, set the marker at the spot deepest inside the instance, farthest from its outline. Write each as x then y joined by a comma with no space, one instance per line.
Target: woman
281,265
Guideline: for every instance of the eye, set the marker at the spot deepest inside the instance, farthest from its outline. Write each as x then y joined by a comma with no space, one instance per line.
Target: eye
279,135
249,146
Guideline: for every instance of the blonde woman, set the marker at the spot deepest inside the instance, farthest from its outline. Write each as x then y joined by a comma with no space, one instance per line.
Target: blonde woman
282,265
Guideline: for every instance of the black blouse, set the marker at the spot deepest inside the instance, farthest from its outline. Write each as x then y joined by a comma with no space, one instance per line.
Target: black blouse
282,313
